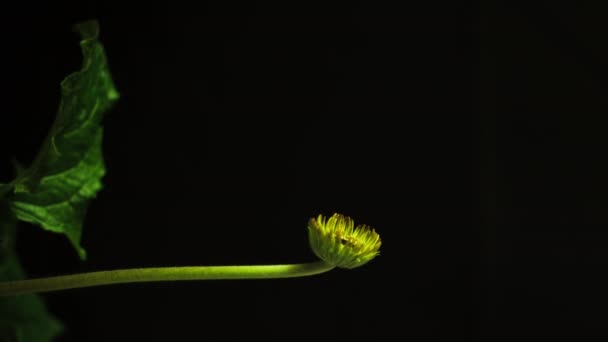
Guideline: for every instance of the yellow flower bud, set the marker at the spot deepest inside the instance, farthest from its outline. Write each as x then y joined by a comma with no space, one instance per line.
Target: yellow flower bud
338,242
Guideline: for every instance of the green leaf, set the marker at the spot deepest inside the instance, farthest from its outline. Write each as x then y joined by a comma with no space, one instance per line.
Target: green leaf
23,318
54,191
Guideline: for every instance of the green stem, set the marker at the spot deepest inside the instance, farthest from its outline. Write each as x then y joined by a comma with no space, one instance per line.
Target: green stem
161,274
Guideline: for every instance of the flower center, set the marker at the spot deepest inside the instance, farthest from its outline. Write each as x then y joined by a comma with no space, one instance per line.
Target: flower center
347,241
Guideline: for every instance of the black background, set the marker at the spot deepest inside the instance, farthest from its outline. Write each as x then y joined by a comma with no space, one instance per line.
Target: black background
544,189
473,141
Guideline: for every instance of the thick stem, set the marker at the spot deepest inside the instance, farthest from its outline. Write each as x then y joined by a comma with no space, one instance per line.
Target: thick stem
161,274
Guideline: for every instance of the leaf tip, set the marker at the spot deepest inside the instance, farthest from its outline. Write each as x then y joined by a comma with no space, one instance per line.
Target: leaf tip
82,253
113,94
88,30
